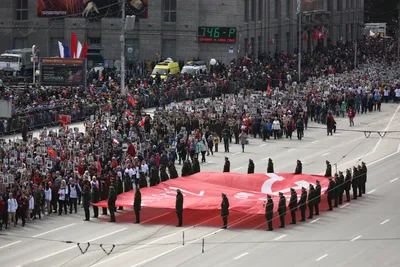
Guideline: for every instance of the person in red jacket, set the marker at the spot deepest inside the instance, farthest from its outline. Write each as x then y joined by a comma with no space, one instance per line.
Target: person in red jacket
351,116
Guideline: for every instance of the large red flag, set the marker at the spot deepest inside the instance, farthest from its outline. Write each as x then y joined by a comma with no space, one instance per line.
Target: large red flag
73,45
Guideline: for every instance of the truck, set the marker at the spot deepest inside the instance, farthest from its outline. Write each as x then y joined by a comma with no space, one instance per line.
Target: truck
17,61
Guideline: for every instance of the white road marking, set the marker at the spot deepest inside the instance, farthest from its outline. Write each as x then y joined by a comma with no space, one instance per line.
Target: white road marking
262,145
323,256
316,220
388,156
385,221
238,168
265,158
241,255
72,247
209,162
48,232
280,237
290,150
234,154
11,244
370,192
394,180
355,238
345,205
153,218
314,142
326,154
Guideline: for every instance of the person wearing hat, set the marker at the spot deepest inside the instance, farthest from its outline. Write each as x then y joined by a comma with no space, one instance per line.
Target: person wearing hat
299,167
270,167
282,209
302,204
331,193
341,187
364,173
137,204
224,210
269,212
251,167
179,206
328,172
360,180
103,195
311,201
347,184
95,199
293,205
354,182
112,198
227,165
317,197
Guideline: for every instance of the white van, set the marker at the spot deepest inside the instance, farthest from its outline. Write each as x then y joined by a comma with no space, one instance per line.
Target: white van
195,68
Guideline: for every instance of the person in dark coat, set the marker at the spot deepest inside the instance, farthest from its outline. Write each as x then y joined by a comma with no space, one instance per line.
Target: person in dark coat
337,191
224,210
293,205
364,180
317,197
360,180
341,187
154,176
282,209
328,172
299,168
142,180
227,165
95,199
163,173
311,201
137,204
172,171
270,168
190,167
120,189
103,195
250,168
112,198
185,169
86,202
331,193
269,212
330,123
196,165
179,207
347,184
354,182
302,204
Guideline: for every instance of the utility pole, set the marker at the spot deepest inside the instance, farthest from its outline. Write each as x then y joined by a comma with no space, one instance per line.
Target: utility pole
122,39
300,38
355,54
398,36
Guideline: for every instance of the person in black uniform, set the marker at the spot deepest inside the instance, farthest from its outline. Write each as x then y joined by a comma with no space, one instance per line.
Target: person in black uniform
354,182
311,201
137,204
364,172
328,172
251,167
360,180
341,187
293,205
299,168
302,204
317,197
95,199
347,185
282,209
224,210
331,193
179,207
269,212
86,202
112,198
270,168
227,165
336,190
104,195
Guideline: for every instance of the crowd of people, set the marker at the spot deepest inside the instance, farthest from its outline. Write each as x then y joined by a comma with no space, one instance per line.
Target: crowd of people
124,148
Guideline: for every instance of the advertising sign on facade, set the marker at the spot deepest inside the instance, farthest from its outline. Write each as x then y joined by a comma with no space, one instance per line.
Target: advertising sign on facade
90,8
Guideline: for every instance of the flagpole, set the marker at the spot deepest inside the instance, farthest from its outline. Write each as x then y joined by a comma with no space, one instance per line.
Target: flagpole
122,39
299,55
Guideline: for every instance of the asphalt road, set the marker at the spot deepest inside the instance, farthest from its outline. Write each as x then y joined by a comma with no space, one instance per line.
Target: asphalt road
364,233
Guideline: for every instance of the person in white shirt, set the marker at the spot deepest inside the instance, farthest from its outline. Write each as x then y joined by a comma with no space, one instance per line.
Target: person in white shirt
276,127
62,196
73,190
47,199
12,209
31,205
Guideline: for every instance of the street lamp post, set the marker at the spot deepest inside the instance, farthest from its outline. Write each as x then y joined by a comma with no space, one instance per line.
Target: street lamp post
122,39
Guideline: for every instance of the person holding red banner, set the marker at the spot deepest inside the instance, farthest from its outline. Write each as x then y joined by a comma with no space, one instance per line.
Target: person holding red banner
302,204
179,206
225,210
282,209
269,212
293,205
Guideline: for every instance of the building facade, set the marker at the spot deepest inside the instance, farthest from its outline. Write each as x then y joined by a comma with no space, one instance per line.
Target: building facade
172,28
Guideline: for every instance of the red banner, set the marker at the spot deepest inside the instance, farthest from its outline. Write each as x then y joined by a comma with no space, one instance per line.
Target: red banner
202,191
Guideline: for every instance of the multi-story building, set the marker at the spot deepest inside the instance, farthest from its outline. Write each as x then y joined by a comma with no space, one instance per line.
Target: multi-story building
171,27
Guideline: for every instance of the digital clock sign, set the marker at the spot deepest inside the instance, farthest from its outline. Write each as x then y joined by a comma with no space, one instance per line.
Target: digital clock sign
217,34
63,71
